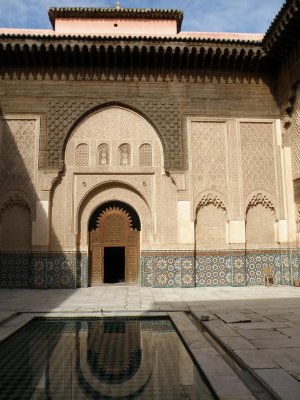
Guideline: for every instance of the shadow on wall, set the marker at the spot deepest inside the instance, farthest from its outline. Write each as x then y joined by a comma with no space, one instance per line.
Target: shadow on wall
25,259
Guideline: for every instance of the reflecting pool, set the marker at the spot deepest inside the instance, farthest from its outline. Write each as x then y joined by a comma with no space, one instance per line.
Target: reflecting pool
98,358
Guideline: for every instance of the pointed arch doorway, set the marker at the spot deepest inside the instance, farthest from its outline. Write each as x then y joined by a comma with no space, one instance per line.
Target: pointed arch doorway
114,244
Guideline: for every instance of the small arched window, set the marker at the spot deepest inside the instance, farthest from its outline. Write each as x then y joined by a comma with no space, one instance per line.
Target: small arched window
125,154
82,155
103,154
145,155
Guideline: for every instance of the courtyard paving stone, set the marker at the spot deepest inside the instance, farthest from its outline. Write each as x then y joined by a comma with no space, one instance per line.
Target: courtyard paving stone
237,343
285,386
257,334
255,359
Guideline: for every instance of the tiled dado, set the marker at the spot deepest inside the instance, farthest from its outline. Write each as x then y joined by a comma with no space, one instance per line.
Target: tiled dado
217,268
43,270
158,268
167,269
14,270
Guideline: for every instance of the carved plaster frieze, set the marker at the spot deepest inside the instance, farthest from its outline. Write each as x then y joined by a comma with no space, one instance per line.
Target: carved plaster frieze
85,184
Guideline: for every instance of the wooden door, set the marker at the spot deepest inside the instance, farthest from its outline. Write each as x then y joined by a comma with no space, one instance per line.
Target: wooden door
114,228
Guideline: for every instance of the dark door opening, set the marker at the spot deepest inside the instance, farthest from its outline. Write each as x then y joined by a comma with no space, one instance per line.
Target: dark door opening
114,264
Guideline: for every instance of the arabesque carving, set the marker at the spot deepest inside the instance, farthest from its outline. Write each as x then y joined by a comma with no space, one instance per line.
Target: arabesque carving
259,170
209,156
164,115
17,163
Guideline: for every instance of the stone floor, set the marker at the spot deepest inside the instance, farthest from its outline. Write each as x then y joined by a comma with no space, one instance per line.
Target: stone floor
258,326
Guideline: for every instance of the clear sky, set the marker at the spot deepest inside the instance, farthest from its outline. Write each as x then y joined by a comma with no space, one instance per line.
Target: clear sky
199,15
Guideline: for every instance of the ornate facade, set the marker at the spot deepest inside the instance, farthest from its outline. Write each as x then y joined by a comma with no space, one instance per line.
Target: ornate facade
134,152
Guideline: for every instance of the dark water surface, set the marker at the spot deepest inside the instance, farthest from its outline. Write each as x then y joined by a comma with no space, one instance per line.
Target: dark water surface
94,358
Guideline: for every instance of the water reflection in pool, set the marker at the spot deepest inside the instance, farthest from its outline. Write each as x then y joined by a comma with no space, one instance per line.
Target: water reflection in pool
98,359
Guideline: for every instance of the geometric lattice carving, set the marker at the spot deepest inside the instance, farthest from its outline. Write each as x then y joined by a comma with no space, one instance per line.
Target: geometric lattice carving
114,229
97,274
145,155
263,200
103,154
258,157
165,115
17,155
209,156
82,155
211,199
125,154
133,255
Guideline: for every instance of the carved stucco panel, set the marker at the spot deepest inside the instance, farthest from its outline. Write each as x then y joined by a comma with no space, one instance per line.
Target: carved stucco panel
168,211
18,155
166,116
208,153
258,158
58,215
115,127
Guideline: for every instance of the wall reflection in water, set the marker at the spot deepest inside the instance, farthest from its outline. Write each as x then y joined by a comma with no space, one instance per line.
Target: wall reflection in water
98,359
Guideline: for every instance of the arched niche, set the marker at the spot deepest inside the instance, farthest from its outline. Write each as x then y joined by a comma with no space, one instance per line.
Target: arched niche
114,126
210,222
112,191
260,221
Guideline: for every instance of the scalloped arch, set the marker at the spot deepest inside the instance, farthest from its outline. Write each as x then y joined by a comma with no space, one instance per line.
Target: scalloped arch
260,197
113,191
209,197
